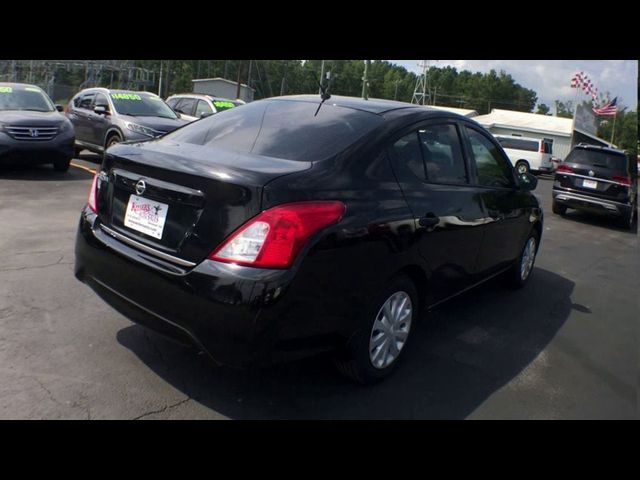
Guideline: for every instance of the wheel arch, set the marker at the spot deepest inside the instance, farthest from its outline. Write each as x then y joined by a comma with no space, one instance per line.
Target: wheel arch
110,132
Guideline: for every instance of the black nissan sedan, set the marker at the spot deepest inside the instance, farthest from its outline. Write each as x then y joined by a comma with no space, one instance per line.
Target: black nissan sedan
293,226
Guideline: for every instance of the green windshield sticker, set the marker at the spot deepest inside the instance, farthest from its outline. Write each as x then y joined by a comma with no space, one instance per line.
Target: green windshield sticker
6,90
125,96
31,89
222,104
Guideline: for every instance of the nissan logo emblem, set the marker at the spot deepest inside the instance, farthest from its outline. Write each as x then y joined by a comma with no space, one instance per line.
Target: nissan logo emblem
591,174
140,187
33,132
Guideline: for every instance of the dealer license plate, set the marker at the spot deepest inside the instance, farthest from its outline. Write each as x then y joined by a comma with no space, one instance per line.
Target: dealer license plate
146,216
589,184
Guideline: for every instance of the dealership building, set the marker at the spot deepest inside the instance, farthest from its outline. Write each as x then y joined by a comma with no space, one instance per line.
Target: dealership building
563,132
221,87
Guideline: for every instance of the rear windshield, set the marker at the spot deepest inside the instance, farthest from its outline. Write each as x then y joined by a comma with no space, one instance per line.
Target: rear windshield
24,98
519,144
613,161
282,129
141,104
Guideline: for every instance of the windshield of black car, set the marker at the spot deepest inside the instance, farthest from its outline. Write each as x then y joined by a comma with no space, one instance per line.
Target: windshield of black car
282,129
615,162
25,98
141,105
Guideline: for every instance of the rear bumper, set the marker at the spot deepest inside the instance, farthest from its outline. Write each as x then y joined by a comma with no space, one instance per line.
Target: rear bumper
590,204
25,152
240,316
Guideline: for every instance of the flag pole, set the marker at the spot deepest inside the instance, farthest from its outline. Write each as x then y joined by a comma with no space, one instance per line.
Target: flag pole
613,130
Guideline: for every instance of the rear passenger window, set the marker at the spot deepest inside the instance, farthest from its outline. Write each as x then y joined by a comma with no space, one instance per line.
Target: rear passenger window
493,169
442,154
408,151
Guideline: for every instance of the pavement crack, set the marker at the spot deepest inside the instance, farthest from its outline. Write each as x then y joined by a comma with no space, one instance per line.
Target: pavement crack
163,409
33,267
49,393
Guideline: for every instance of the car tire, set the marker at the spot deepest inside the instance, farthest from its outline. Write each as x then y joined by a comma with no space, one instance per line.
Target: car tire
374,350
112,140
522,167
520,272
558,209
62,165
627,221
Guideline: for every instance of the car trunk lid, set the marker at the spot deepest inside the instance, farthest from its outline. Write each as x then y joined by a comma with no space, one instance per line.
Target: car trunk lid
183,200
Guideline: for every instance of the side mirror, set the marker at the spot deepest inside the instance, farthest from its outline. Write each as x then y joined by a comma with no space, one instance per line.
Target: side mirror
526,181
60,108
100,110
205,114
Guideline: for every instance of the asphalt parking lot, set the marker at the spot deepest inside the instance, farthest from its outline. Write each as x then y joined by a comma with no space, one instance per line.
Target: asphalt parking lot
564,347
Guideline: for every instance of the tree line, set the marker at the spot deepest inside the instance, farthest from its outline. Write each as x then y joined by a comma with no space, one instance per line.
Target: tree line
446,86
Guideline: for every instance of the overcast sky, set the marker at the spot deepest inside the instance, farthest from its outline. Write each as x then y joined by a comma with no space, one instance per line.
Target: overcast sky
551,78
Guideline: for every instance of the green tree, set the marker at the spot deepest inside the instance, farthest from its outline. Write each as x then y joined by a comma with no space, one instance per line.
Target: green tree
564,109
543,109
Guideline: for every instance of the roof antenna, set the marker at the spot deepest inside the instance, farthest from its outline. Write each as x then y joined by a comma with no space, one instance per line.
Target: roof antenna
324,92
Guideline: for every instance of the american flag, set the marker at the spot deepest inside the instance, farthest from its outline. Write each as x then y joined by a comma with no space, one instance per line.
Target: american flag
609,109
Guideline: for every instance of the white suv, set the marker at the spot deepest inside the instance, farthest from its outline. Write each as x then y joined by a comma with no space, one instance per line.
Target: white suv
193,106
528,154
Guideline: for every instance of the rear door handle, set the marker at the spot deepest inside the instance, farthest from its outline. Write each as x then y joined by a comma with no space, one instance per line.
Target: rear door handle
429,220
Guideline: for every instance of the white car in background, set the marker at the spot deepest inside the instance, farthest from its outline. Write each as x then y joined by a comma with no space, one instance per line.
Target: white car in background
528,154
193,106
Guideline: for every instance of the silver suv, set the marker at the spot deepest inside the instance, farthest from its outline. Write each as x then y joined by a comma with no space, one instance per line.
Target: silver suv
193,106
103,117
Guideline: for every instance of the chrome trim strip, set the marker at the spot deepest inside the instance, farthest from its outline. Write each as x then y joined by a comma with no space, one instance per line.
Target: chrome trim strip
597,179
149,250
602,203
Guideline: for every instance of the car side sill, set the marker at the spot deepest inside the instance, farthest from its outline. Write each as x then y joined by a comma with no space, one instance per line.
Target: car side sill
433,305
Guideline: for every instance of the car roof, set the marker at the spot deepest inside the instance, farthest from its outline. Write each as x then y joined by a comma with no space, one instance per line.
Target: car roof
202,95
373,105
114,90
599,148
519,138
18,84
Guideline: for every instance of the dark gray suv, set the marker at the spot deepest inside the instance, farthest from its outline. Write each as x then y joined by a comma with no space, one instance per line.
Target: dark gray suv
32,130
103,117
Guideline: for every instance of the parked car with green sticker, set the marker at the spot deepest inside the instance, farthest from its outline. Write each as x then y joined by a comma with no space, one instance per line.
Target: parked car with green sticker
193,106
103,117
32,129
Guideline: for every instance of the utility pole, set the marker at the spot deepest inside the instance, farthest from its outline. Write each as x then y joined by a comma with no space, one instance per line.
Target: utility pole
159,82
395,95
239,70
365,82
284,76
321,76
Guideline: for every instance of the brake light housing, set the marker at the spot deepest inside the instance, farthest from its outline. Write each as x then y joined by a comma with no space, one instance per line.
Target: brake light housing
625,180
275,237
93,195
564,169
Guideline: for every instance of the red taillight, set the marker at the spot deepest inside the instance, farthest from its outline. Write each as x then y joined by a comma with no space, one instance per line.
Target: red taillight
564,169
275,237
622,179
93,199
542,147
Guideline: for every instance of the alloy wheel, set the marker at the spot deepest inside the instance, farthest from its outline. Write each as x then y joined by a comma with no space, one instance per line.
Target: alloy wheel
390,330
528,257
